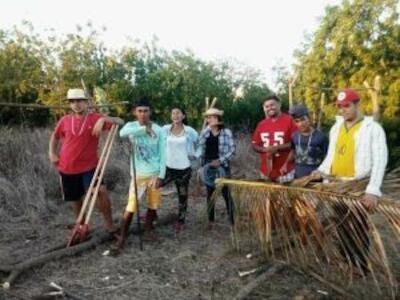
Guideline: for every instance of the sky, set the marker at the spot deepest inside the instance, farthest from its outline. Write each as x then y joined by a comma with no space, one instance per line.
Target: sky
258,33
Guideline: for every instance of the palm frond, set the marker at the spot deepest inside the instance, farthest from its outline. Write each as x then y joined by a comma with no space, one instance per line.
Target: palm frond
323,227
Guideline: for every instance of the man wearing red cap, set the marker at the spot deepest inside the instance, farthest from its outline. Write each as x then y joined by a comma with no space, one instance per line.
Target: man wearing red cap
357,148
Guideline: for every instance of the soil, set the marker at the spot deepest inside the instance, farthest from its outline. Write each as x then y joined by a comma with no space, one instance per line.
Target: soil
194,264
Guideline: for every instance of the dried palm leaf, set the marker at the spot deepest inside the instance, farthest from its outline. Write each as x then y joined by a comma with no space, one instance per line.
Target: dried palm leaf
323,228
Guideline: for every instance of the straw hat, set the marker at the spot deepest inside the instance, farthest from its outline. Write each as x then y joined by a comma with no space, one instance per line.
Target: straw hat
213,112
76,94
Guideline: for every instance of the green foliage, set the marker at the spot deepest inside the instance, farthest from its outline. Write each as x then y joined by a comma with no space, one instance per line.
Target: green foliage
355,41
32,68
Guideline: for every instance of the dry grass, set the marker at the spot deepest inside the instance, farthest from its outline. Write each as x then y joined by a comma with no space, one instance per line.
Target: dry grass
30,200
29,184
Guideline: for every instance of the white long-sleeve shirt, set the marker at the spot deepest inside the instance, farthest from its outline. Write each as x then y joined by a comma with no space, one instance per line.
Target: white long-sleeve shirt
370,155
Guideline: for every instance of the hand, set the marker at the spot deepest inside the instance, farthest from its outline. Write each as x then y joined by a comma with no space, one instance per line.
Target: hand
316,175
54,158
283,170
370,202
118,121
155,182
215,163
150,131
98,127
271,149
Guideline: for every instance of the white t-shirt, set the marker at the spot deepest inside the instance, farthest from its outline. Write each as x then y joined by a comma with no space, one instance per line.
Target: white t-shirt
177,155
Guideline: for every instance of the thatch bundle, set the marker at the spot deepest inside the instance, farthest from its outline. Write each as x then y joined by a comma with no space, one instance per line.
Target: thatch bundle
320,227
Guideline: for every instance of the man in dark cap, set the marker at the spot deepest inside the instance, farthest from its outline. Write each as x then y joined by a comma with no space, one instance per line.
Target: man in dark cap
148,157
309,144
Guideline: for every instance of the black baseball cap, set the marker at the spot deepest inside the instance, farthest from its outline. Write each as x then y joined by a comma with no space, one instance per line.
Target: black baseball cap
143,101
298,111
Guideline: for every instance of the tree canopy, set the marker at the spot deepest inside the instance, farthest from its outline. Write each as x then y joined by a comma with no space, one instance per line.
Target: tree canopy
37,69
355,42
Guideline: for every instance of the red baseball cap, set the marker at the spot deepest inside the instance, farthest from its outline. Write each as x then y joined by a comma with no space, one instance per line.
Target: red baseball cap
347,96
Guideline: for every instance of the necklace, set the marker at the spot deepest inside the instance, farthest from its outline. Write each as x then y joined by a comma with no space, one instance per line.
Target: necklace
308,142
177,134
82,126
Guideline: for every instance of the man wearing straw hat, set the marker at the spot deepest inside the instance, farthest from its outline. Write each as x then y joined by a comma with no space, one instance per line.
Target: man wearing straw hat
147,168
217,150
357,148
77,158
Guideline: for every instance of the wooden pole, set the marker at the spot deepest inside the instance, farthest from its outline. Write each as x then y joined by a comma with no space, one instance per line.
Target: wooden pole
291,83
374,93
321,110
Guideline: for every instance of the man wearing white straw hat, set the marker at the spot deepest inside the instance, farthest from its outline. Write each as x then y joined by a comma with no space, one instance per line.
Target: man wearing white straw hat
78,135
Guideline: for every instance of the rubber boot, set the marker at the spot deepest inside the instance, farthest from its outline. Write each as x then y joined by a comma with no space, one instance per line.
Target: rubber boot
149,226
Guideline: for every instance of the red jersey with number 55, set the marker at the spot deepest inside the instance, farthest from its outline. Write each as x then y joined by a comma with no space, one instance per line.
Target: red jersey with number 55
271,132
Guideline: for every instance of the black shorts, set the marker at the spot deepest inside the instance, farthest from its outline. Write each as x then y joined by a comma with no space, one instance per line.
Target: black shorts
75,185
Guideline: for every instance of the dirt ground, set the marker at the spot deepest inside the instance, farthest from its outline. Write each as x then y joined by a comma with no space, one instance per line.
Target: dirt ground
194,264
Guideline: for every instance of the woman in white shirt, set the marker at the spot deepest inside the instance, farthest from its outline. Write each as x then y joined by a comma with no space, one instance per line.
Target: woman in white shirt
181,145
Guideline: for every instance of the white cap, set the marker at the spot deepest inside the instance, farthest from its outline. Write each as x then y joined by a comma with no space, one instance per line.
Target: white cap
73,94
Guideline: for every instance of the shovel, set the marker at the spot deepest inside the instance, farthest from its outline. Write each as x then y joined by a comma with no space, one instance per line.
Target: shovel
80,231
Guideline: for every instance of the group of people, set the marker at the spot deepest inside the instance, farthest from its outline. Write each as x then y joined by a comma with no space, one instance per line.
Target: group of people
288,144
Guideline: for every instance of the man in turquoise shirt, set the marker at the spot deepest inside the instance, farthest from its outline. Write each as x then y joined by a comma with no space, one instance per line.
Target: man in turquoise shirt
148,143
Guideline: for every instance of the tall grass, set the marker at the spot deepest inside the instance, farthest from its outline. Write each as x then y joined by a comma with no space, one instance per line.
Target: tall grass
29,183
30,186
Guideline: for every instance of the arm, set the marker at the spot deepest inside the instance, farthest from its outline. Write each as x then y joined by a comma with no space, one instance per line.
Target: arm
325,167
289,159
271,149
226,157
162,145
379,153
258,148
99,126
113,120
132,129
379,156
262,144
194,152
277,148
53,146
256,142
55,137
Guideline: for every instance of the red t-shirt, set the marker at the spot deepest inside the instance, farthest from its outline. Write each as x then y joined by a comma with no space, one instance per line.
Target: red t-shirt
78,152
274,132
